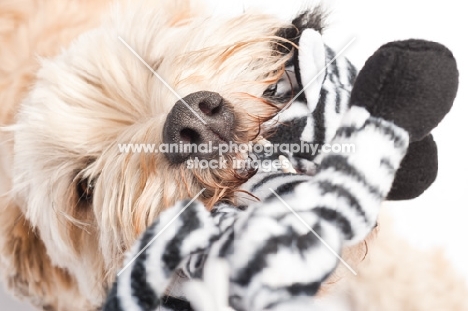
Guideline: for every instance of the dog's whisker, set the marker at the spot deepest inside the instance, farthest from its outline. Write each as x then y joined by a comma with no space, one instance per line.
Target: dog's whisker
78,223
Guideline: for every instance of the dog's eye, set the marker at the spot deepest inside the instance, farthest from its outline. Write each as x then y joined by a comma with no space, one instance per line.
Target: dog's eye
270,91
85,190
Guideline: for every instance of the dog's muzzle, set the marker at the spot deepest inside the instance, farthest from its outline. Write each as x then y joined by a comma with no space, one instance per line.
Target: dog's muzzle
196,125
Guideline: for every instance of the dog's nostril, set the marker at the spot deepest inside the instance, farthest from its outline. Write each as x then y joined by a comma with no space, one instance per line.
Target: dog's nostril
208,109
189,136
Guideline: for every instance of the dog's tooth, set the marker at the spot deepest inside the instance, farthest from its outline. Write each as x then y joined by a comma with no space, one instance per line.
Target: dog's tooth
289,168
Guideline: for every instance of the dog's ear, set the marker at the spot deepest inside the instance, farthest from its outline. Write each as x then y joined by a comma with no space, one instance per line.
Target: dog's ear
26,268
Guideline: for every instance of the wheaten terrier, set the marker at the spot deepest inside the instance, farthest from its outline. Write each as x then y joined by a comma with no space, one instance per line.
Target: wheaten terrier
70,90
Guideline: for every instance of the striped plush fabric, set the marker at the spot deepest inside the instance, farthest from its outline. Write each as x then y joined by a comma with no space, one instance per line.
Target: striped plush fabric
274,254
315,115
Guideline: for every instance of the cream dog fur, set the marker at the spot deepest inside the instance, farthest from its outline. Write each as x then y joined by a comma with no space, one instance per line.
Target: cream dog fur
72,204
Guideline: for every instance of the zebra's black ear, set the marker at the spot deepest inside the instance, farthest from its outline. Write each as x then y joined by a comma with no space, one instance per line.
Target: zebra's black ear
309,19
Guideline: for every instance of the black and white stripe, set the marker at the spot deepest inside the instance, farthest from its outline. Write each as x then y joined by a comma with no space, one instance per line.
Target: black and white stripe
164,248
274,261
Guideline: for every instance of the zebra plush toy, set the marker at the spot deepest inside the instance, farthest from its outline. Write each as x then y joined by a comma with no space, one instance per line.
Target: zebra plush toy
274,254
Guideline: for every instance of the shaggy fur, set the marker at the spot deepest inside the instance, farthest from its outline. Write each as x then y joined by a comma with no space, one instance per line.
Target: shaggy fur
108,97
65,107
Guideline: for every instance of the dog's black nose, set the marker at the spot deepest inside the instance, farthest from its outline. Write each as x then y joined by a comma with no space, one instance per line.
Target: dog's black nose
197,122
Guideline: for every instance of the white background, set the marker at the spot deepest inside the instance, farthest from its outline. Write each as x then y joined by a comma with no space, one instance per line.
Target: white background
440,216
